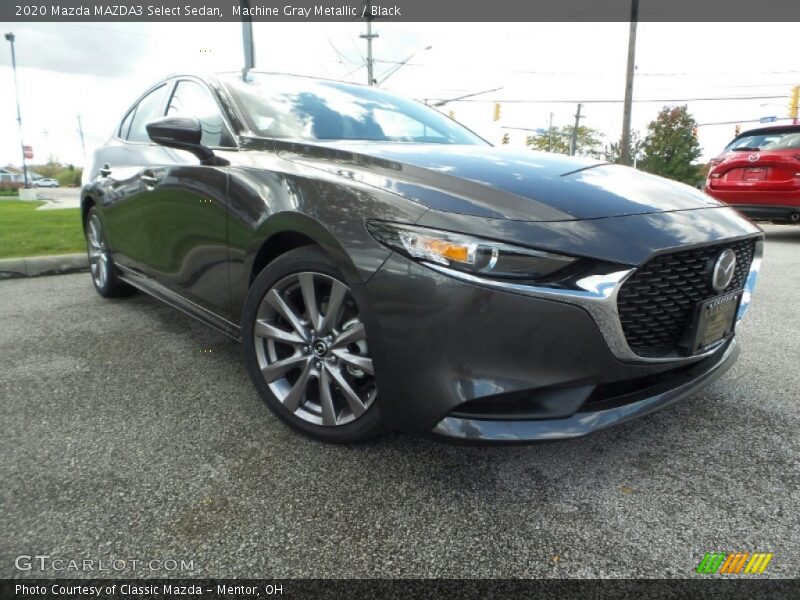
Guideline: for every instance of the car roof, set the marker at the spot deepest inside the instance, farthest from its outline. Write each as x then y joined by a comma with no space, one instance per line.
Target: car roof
772,129
225,74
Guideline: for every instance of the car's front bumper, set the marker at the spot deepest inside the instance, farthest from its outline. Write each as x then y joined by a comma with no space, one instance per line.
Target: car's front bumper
465,361
630,406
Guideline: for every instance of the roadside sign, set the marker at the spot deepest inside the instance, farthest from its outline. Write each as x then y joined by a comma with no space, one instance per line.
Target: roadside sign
27,151
767,119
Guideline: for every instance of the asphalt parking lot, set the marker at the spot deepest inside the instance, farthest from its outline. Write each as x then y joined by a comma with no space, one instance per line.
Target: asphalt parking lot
129,431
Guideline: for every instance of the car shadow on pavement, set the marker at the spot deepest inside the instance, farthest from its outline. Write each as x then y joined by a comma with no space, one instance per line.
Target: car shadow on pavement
782,233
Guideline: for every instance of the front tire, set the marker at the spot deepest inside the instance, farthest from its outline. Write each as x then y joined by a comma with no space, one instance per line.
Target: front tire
104,275
305,347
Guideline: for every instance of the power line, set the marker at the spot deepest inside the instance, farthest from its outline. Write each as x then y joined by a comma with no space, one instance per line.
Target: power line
596,73
575,101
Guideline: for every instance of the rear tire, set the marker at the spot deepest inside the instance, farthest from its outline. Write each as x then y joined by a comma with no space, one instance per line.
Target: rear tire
104,273
305,349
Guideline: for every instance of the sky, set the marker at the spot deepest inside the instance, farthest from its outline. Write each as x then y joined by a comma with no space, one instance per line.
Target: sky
96,70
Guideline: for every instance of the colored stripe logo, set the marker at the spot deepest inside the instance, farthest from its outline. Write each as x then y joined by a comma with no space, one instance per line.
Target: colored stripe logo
734,563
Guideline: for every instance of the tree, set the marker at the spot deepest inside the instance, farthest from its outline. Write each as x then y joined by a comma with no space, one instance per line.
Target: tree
558,140
613,152
670,149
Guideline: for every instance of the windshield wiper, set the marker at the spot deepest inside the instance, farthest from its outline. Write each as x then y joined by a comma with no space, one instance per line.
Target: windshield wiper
746,149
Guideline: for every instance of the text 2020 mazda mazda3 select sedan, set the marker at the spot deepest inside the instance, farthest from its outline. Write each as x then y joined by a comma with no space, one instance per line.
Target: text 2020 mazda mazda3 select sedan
385,267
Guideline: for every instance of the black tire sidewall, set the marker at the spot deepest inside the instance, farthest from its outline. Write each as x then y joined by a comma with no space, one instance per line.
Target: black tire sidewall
313,259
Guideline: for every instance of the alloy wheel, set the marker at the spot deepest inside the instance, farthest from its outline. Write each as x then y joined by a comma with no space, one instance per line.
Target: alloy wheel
98,255
312,349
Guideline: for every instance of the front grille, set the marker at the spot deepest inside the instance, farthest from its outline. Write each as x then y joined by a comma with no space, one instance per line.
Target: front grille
656,304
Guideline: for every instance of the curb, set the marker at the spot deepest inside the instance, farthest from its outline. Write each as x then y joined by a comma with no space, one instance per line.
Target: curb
35,266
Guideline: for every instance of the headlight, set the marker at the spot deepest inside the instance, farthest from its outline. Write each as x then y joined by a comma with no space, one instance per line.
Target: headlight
465,253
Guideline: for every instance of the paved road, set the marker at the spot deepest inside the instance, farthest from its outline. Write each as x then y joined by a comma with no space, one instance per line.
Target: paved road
65,197
129,431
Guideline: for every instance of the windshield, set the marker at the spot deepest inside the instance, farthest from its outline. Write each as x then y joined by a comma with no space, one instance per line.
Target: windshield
300,108
785,140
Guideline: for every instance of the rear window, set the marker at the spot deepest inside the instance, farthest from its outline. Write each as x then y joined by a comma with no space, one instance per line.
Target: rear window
765,140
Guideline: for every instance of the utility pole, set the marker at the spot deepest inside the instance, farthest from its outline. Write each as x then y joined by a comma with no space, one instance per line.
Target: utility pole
80,133
369,36
550,134
247,40
10,37
625,156
573,145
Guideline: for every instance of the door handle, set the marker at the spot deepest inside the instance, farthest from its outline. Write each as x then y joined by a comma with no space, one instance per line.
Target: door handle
105,170
149,180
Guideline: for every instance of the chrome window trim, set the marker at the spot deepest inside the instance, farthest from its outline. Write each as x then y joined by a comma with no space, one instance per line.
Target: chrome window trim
598,297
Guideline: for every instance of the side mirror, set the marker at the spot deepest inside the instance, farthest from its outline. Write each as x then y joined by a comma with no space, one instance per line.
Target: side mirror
183,133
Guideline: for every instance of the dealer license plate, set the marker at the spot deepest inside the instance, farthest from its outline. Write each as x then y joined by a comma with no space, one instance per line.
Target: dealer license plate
714,320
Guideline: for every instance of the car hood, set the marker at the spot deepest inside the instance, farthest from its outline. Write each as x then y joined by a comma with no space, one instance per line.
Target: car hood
490,182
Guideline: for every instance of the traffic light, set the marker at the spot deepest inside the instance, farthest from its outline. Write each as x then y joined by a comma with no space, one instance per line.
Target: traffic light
738,129
496,111
694,132
506,139
795,100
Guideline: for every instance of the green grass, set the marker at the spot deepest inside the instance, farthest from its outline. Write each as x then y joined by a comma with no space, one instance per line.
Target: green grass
25,231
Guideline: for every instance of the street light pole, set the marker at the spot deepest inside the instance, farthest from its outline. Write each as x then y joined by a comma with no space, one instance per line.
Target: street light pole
10,37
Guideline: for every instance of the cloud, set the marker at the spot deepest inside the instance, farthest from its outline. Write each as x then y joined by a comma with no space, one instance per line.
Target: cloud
80,49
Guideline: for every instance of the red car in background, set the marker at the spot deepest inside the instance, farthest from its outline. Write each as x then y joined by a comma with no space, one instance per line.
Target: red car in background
758,173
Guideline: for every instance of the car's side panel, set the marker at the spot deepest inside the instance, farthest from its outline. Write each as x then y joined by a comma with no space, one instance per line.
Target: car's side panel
269,195
114,189
184,224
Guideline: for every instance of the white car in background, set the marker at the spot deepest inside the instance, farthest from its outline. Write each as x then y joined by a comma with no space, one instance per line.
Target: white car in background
46,182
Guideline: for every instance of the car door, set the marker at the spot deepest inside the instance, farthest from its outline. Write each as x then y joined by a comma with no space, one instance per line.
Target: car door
120,189
185,211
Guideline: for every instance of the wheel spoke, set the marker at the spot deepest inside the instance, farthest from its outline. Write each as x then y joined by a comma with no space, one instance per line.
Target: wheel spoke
360,362
298,391
353,401
326,399
279,368
351,335
268,330
312,314
338,292
310,298
279,304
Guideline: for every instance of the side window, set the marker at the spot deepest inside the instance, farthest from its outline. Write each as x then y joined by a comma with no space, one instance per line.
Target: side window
191,99
149,109
126,125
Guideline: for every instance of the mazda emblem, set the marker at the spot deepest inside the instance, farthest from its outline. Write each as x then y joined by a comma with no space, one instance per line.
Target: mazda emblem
754,157
724,269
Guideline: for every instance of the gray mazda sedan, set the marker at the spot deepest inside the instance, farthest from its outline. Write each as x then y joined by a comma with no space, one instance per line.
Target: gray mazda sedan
384,267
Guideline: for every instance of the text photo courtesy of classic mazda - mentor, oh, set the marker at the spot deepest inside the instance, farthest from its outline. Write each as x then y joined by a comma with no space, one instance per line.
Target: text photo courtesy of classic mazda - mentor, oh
384,267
